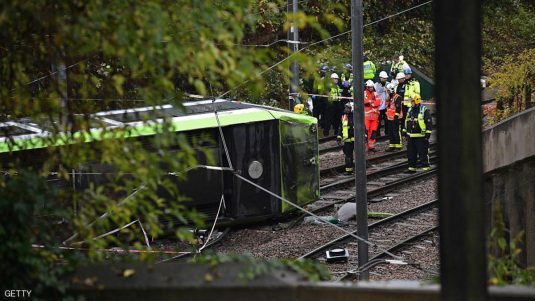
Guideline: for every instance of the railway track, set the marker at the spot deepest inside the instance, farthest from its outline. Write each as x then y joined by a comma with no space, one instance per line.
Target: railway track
332,196
389,235
332,148
387,157
345,239
338,190
382,257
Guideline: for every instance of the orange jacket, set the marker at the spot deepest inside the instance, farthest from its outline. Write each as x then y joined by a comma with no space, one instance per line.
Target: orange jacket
394,107
371,104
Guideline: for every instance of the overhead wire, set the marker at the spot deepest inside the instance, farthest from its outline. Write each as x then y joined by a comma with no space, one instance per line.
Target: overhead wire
316,43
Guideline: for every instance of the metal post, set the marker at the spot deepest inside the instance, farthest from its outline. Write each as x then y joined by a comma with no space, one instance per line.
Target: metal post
358,121
462,236
293,38
61,79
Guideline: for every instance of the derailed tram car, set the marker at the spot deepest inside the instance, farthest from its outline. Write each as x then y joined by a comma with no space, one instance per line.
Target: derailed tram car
275,149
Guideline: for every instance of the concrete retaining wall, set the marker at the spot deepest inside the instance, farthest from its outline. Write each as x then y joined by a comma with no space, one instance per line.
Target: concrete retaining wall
509,141
509,166
223,282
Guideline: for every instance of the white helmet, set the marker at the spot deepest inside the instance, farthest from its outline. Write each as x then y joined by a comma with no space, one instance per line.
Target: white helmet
334,75
383,74
391,88
400,75
369,83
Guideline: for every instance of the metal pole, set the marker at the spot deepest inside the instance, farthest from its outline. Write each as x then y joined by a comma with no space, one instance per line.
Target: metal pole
458,64
61,78
358,121
293,37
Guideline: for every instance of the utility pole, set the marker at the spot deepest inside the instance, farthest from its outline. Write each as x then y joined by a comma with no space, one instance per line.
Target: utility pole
293,44
358,121
462,212
60,72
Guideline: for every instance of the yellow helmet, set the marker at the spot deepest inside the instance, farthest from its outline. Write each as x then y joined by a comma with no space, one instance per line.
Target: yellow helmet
299,108
417,98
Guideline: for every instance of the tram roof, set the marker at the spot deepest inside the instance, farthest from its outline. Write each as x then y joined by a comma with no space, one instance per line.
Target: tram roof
25,134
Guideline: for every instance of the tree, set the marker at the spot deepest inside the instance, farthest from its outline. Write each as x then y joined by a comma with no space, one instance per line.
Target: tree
60,61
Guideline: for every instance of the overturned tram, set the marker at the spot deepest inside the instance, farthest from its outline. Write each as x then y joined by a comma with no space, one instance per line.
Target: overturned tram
273,148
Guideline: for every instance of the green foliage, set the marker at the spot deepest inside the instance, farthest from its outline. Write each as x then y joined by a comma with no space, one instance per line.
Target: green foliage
25,222
504,256
508,28
513,82
62,61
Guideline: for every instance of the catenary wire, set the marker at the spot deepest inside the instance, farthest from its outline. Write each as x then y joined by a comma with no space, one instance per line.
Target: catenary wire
316,43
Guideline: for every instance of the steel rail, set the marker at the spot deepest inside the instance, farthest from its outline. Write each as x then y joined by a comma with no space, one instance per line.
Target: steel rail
383,189
394,218
393,249
374,160
385,171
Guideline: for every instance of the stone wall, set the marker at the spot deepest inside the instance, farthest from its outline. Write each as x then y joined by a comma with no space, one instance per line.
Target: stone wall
509,166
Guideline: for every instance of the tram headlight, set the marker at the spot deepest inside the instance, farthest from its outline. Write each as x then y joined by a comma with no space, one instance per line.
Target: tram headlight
255,170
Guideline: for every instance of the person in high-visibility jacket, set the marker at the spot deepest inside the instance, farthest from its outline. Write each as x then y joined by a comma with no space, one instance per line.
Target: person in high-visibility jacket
369,69
319,103
418,128
347,75
371,114
400,90
398,65
393,115
346,84
333,109
346,135
412,87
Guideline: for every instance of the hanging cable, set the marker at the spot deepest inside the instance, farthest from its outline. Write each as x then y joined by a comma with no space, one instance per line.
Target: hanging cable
316,216
105,214
316,43
213,225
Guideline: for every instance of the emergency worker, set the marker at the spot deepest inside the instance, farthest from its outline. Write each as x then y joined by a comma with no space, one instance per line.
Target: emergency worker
418,126
398,65
371,114
380,89
333,112
346,135
400,90
319,103
412,87
393,115
346,84
369,69
347,75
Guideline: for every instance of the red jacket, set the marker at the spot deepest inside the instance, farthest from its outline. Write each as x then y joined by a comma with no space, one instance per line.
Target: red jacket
371,104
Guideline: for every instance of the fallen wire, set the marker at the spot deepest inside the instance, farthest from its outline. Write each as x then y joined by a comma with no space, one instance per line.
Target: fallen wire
105,214
115,250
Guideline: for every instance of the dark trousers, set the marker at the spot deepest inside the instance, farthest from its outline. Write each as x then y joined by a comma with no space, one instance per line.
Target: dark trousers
333,116
417,152
382,122
394,133
322,110
316,109
348,152
404,109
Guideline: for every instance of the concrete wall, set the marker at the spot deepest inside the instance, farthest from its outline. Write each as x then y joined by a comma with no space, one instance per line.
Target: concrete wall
509,166
174,281
509,141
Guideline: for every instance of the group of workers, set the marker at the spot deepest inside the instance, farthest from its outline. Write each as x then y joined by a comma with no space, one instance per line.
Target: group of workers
394,104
